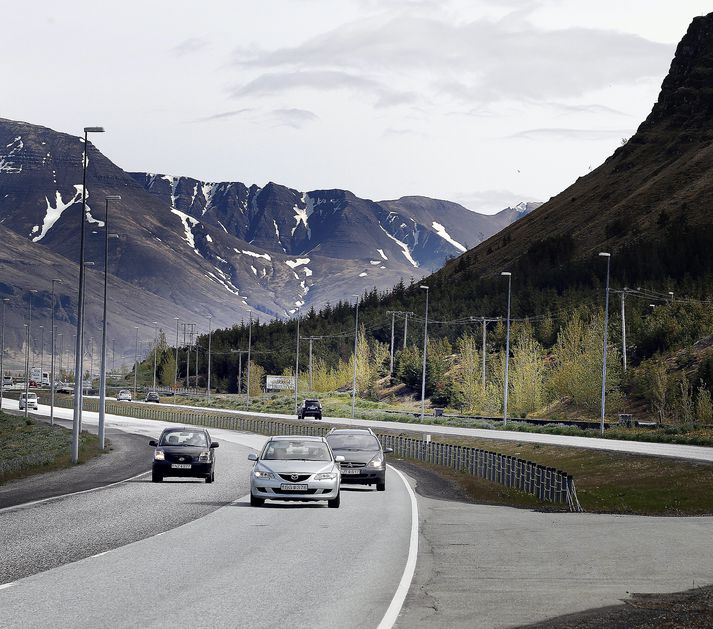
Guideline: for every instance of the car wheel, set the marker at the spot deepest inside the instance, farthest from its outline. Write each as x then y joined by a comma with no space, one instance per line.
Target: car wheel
334,503
319,416
210,478
156,478
380,486
256,502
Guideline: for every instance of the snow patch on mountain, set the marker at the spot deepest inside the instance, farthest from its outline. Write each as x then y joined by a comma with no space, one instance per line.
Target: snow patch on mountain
364,274
441,231
293,264
382,254
6,163
302,216
207,190
188,224
404,247
257,255
52,214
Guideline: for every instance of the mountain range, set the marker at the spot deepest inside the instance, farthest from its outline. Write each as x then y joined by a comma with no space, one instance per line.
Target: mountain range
193,249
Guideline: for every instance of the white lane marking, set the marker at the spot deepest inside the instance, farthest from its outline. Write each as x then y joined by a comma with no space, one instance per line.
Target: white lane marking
392,613
106,552
4,586
73,493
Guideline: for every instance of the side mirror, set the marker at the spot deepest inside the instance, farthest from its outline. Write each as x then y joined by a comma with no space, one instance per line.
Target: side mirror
252,457
388,450
153,443
339,458
214,444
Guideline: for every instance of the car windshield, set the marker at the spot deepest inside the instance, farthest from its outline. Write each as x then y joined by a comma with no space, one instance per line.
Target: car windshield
353,442
183,438
296,450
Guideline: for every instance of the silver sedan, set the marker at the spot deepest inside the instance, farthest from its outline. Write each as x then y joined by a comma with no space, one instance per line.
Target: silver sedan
295,468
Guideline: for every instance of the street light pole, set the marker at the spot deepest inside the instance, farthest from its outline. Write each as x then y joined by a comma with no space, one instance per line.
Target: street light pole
623,328
484,341
27,351
606,255
52,377
425,350
507,352
250,342
79,348
356,337
391,360
175,375
102,369
2,349
155,348
297,358
405,328
136,358
60,353
42,353
210,334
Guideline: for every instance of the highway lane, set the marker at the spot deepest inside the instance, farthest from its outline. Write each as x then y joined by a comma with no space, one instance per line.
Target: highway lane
138,553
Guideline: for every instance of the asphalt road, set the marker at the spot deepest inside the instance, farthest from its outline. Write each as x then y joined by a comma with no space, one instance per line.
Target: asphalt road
143,554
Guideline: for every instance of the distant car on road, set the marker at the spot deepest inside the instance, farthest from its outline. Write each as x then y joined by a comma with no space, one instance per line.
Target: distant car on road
184,452
310,408
64,387
152,396
31,401
7,381
295,468
364,462
124,396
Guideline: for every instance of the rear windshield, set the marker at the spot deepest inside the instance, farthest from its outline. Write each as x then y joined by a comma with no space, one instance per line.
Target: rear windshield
311,405
296,450
353,442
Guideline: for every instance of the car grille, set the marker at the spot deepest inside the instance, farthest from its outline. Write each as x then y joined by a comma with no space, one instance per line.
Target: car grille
292,493
350,464
299,478
176,458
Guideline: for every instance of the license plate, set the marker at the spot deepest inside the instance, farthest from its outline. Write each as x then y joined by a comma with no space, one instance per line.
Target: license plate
293,487
181,466
347,471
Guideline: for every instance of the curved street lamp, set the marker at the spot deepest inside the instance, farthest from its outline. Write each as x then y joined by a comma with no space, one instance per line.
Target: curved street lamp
79,348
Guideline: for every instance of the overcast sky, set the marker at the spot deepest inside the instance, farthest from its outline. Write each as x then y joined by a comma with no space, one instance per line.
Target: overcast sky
484,102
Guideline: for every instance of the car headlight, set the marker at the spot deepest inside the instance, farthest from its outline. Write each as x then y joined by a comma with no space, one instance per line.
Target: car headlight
158,455
262,474
377,461
326,476
204,456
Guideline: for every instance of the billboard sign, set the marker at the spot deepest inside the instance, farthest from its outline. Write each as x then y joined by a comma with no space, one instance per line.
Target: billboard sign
279,383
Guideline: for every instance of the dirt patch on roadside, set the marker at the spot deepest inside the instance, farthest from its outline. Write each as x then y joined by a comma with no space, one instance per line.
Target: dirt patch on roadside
692,609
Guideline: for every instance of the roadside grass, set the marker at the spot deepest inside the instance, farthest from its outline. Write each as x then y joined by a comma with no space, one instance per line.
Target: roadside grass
29,447
606,482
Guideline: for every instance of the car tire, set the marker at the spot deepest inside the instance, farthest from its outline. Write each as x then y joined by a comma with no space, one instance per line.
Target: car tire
380,486
319,416
210,478
334,503
156,478
256,502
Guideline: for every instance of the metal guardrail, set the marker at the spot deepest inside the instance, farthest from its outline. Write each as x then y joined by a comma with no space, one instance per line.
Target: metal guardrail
546,483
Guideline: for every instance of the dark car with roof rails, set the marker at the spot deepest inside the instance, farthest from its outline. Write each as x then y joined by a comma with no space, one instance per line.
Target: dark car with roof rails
184,452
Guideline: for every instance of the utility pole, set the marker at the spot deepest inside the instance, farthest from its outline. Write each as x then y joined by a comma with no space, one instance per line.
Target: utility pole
42,353
136,358
425,348
2,348
53,386
484,341
606,255
210,334
175,375
356,338
393,313
310,339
